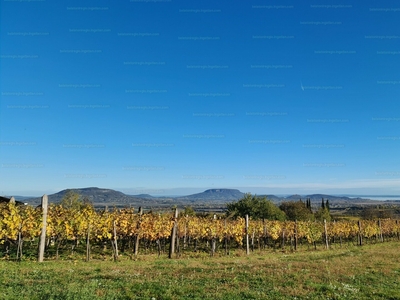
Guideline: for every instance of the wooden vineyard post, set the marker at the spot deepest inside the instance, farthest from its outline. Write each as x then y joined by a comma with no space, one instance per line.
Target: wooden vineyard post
88,243
115,243
178,247
380,230
295,235
173,235
265,234
42,238
225,239
326,235
159,247
247,235
213,241
136,251
359,234
252,241
185,234
19,242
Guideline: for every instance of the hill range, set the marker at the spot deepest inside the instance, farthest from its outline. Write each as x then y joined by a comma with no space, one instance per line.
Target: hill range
211,198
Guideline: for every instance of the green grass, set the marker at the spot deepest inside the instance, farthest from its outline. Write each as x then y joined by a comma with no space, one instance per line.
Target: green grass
368,272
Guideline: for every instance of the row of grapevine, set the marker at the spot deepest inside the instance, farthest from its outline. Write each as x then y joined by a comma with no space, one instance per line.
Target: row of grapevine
72,227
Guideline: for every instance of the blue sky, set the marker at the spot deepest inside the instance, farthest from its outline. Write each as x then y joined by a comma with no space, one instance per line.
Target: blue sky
175,97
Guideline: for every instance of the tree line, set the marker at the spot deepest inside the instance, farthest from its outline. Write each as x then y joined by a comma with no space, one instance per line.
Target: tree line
262,208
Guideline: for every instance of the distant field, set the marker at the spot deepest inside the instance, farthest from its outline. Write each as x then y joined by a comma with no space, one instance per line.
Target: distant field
351,272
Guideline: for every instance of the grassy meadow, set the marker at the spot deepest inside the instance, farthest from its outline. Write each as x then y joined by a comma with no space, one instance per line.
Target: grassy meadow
351,272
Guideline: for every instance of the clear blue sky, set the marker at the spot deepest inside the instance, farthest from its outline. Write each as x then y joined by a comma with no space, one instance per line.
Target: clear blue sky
174,97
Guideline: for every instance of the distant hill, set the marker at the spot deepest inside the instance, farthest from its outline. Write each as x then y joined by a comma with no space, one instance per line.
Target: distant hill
273,198
101,197
212,197
96,195
22,198
215,194
295,197
143,196
318,198
9,199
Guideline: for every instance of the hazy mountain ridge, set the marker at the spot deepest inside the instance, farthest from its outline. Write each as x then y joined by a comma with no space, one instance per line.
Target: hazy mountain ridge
215,194
102,197
94,194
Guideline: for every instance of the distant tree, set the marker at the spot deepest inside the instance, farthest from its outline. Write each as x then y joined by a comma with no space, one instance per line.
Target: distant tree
323,214
323,204
188,211
308,204
297,210
373,213
369,213
386,214
73,200
327,205
255,207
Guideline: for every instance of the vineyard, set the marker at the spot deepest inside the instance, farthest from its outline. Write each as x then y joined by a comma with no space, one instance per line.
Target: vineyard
109,233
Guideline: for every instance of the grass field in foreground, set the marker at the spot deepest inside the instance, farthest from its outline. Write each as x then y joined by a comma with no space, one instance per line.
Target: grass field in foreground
367,272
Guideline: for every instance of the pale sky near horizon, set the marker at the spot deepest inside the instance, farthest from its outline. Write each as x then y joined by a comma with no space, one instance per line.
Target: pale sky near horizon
175,97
